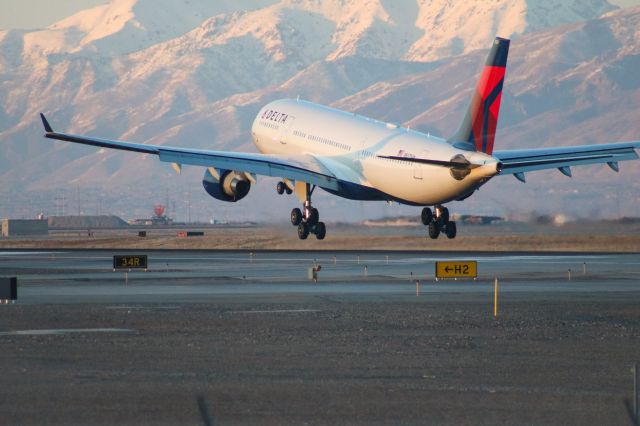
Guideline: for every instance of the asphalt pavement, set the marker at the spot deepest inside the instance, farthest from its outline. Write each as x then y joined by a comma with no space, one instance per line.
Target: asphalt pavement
239,337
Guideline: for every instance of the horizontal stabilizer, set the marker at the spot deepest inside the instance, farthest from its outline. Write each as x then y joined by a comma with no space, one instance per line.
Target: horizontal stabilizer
562,158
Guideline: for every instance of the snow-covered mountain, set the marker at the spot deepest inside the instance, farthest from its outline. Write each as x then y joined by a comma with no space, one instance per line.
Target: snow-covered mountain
194,72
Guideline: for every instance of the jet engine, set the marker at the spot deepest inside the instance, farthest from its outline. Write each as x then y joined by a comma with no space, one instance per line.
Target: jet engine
226,185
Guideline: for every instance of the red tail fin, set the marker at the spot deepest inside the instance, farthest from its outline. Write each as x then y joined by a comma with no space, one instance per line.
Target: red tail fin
479,125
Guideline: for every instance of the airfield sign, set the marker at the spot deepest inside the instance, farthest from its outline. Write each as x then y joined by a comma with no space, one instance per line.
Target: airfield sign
457,269
133,261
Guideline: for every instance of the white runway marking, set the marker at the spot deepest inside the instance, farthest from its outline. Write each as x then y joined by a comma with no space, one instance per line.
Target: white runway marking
276,311
143,307
64,331
28,253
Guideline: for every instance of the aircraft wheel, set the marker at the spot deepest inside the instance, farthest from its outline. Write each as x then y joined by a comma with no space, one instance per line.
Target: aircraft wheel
451,230
444,215
426,216
303,231
287,190
320,231
280,187
314,216
434,230
296,217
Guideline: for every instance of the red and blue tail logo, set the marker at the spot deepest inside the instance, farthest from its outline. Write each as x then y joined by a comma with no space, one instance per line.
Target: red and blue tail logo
481,120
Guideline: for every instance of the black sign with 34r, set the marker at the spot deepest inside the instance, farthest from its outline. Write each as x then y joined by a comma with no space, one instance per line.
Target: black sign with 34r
130,261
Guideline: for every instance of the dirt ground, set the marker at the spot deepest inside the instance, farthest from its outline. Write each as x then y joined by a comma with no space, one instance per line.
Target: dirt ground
325,360
577,237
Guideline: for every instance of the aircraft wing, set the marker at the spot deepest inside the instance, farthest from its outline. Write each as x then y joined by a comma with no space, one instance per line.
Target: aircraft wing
305,168
518,162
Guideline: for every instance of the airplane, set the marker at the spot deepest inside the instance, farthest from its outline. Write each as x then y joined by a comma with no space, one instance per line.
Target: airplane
308,145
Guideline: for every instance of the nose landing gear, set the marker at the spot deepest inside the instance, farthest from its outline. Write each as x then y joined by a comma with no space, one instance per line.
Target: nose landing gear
308,219
438,221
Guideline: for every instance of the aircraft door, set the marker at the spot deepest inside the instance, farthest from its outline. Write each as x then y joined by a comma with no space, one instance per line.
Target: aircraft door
417,171
417,167
285,128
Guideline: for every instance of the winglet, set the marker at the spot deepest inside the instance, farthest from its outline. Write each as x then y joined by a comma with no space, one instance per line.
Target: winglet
45,123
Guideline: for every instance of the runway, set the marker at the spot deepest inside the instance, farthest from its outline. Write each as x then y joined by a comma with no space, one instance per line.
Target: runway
214,337
87,276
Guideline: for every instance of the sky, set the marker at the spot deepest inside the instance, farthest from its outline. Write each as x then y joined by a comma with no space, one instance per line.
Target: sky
29,14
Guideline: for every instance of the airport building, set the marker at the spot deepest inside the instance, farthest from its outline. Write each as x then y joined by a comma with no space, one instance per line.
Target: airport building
15,227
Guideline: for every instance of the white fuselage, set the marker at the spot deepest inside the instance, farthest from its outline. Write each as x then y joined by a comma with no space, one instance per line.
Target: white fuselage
350,145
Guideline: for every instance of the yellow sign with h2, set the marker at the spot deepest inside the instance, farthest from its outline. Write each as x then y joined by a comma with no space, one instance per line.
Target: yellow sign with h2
457,269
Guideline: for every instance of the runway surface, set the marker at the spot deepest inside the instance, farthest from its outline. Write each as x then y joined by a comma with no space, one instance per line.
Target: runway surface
211,337
87,276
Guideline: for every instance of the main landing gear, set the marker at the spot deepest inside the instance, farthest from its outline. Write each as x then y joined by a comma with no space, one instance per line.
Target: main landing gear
438,221
282,187
308,219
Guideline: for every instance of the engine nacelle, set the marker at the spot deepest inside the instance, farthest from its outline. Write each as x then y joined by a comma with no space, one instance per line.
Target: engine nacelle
229,185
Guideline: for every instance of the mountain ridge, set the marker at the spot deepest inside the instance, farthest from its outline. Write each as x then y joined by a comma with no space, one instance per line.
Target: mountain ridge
201,87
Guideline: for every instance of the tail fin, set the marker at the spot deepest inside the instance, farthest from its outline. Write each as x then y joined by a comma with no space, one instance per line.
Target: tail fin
479,125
